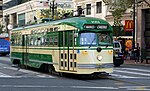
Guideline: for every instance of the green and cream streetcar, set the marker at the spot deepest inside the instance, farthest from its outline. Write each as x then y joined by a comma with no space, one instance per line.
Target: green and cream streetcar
78,45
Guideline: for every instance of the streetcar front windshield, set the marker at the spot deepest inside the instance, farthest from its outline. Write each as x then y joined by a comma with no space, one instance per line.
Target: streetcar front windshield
88,39
104,39
95,39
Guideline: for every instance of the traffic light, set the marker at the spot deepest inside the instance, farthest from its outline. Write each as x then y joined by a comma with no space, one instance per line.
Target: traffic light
35,19
80,11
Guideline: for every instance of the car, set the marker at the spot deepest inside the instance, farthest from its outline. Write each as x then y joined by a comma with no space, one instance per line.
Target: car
118,57
4,46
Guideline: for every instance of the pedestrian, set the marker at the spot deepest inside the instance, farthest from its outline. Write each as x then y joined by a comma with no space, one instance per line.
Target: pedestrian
137,53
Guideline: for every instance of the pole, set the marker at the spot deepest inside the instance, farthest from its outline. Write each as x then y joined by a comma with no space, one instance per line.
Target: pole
53,6
133,32
6,23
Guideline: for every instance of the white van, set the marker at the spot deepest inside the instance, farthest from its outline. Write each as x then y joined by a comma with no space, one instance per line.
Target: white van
118,57
117,46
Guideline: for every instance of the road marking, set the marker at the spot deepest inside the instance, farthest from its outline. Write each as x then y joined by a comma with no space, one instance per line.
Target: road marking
137,88
39,86
136,73
4,75
140,88
124,76
133,69
90,87
32,72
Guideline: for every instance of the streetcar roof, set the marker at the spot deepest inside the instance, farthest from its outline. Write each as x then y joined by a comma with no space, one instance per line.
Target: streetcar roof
76,22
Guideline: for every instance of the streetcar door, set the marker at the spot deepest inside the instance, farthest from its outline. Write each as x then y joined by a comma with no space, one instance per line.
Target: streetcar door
67,53
25,49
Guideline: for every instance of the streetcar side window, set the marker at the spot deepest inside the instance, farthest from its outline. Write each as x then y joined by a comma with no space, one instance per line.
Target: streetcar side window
42,41
55,40
12,40
38,41
46,40
31,41
51,40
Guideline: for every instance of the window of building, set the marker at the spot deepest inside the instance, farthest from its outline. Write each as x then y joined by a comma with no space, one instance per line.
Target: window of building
98,7
78,7
88,9
21,19
1,8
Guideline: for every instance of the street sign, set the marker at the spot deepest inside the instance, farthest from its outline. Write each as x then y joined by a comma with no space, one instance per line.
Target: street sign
129,25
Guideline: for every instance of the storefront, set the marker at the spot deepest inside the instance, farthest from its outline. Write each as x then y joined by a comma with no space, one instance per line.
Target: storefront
143,30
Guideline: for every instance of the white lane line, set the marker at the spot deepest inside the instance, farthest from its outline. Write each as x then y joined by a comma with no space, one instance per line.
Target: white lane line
90,87
135,73
136,88
124,76
39,86
4,75
32,72
133,69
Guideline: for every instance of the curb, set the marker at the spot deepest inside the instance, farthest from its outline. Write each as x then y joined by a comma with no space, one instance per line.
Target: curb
131,62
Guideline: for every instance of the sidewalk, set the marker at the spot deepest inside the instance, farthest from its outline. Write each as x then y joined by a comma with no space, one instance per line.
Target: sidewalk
132,62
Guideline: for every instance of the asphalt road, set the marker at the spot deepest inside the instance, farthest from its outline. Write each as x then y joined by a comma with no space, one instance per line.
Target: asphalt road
124,78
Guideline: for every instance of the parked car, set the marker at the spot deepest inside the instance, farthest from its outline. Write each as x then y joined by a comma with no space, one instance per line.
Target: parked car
118,58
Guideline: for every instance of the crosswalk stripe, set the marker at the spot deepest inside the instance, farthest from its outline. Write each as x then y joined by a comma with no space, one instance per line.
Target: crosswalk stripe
124,76
136,73
136,88
4,75
32,72
133,69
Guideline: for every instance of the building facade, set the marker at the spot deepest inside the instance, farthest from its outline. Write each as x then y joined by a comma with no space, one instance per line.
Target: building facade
22,12
91,8
143,29
1,11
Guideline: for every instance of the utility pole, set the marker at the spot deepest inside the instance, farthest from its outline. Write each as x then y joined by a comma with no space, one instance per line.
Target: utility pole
6,22
133,32
53,6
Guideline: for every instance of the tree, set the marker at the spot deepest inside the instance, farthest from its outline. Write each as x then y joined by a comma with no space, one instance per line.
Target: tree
58,14
46,13
118,8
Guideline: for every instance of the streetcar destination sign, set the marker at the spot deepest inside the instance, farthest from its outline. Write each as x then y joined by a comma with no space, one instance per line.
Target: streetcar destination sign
95,26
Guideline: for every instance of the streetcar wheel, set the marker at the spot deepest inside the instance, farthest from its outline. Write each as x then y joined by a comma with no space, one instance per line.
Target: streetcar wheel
61,74
50,69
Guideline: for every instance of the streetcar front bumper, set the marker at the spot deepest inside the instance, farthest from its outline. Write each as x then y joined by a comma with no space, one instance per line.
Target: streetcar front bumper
92,66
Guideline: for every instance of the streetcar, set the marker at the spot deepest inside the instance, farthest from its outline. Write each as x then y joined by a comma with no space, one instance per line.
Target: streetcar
77,45
4,44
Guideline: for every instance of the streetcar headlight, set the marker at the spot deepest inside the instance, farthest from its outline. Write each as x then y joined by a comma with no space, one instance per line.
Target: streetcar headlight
99,57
